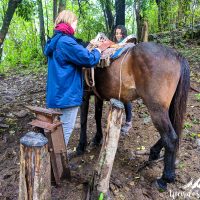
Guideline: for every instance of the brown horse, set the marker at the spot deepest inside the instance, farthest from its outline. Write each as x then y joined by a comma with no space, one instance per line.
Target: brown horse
161,77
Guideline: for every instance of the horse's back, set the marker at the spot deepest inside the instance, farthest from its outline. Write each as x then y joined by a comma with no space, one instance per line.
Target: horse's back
156,70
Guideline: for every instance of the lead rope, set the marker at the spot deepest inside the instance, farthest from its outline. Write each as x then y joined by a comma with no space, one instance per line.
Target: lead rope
120,73
86,71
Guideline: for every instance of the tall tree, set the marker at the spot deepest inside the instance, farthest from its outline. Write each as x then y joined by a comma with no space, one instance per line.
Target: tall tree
158,2
12,5
139,18
42,28
55,10
62,5
109,19
120,12
163,14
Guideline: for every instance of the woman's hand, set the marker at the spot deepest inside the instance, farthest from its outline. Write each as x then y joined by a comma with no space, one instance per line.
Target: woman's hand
104,45
93,42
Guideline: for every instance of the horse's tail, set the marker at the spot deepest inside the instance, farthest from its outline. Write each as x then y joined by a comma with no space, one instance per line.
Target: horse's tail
179,102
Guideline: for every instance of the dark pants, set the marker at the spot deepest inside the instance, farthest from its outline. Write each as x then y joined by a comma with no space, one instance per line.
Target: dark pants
128,108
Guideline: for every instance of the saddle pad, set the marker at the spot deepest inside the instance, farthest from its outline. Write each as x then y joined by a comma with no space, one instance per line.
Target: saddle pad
120,51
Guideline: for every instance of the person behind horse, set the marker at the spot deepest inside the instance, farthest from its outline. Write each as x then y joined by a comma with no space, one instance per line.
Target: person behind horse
66,57
120,33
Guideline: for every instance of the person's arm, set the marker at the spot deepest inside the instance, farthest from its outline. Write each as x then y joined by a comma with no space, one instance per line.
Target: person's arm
78,55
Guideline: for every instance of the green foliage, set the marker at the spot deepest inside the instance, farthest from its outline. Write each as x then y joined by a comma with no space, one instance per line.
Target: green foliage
181,165
22,48
195,121
101,196
197,96
187,125
26,9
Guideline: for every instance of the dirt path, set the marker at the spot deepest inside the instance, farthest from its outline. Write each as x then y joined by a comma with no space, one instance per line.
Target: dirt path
126,183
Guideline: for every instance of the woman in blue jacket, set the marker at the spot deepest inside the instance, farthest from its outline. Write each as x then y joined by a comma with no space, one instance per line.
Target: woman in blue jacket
65,61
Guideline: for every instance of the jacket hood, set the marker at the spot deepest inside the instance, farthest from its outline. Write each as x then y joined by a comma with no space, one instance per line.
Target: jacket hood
51,44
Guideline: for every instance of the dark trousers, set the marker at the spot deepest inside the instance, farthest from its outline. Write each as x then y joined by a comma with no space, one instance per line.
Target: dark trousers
128,109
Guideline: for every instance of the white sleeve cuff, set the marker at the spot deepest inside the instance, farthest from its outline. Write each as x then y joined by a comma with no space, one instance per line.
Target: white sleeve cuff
98,50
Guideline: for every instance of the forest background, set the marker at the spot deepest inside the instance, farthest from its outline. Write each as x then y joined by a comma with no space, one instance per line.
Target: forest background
26,24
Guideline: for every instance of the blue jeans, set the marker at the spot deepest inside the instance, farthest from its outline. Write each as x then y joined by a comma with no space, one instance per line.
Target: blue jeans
68,118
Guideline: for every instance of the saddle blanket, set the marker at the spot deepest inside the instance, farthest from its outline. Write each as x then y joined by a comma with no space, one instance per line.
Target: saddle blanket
113,53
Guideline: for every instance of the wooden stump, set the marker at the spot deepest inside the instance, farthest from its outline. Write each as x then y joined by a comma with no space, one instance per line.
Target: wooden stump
101,177
35,177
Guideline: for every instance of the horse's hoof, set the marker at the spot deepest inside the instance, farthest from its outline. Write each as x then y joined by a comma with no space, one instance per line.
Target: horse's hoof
80,150
161,185
96,142
153,157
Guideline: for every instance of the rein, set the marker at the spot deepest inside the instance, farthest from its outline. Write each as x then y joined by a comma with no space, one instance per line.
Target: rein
91,83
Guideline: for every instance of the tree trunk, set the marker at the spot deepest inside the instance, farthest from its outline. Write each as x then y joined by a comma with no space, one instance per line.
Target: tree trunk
35,179
62,5
137,6
42,28
145,32
55,6
12,5
47,19
158,2
104,14
106,7
101,177
120,12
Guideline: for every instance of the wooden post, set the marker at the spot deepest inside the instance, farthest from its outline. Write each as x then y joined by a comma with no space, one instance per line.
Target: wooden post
35,177
102,172
48,121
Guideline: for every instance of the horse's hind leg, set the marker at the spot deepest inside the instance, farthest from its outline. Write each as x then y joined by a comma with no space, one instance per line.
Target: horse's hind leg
98,116
161,120
155,150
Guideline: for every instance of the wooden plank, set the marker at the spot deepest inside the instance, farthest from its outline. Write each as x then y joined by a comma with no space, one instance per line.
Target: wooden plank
58,140
44,118
53,158
66,169
45,125
46,111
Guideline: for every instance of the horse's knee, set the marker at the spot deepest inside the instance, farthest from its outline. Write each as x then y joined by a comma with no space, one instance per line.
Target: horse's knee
170,143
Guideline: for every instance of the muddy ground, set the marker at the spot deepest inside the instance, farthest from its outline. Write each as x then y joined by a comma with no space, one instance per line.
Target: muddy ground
17,90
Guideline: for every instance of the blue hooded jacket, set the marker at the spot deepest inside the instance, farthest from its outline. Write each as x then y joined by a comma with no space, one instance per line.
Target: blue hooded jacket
65,61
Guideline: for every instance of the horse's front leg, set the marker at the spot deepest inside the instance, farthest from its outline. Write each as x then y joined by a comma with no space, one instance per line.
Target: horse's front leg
84,113
98,116
169,140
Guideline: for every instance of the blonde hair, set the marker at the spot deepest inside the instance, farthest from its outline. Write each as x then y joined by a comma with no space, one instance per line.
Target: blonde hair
66,16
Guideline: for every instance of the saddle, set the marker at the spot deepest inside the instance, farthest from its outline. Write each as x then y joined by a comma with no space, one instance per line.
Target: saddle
114,51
